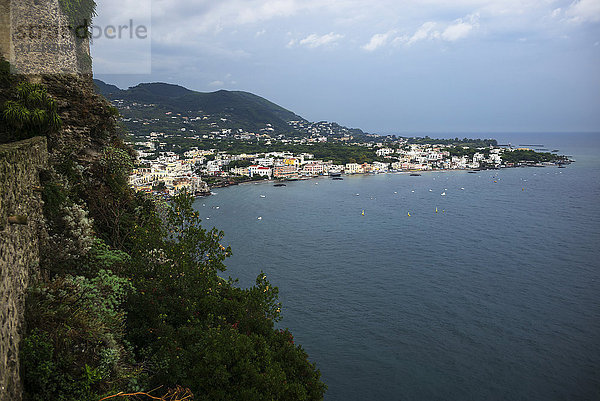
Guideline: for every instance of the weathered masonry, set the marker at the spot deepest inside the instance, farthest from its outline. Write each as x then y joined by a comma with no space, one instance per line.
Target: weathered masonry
21,222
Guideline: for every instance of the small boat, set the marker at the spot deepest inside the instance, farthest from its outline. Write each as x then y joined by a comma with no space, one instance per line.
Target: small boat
357,194
279,185
335,174
259,218
443,194
263,196
414,175
337,178
472,172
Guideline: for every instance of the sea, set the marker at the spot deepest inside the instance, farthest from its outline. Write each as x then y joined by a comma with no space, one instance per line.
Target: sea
496,296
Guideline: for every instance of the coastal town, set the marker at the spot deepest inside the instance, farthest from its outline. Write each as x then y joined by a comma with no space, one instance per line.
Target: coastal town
198,141
198,170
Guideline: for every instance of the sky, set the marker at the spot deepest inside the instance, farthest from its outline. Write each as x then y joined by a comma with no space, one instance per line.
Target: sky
385,66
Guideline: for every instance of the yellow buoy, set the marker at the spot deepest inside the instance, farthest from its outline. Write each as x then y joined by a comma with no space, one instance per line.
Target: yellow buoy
363,212
408,214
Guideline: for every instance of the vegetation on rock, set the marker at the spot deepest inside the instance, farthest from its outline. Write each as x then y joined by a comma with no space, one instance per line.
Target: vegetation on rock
32,112
129,296
79,12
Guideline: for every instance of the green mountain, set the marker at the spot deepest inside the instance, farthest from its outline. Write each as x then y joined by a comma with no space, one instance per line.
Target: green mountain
216,110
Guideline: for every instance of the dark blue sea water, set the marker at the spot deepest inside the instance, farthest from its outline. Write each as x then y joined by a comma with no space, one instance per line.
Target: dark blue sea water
496,296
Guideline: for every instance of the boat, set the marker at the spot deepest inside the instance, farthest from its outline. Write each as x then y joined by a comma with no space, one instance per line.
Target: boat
472,172
337,178
443,194
263,196
259,218
279,185
415,175
331,174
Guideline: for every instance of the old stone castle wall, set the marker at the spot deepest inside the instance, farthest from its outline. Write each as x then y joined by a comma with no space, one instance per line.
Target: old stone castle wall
21,222
37,38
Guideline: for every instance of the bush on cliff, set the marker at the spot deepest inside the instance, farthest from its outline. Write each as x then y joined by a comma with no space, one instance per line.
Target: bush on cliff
130,296
201,331
31,112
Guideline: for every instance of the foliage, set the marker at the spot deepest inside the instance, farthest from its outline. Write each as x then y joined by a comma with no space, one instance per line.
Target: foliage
239,163
138,302
79,12
201,331
461,151
109,198
33,112
517,156
5,73
241,110
72,236
74,349
116,164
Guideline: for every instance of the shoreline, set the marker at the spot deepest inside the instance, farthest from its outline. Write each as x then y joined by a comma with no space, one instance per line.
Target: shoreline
409,172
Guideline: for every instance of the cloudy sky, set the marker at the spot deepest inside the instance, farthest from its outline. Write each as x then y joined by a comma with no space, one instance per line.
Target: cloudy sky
386,66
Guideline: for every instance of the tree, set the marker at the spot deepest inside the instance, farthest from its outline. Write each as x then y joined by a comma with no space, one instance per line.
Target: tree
201,331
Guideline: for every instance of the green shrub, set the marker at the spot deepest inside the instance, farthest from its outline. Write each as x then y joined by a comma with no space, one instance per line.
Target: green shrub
78,12
33,112
75,350
201,331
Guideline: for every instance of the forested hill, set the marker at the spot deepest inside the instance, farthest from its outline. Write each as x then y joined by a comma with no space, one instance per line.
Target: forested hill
239,110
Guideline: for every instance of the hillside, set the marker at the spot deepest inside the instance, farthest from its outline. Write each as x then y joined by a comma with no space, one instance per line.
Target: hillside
208,111
113,292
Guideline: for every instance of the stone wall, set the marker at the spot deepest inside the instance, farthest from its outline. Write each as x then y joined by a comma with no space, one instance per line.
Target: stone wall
37,38
20,163
5,37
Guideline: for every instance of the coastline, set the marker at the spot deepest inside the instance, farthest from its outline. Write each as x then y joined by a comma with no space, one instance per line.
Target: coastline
230,183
